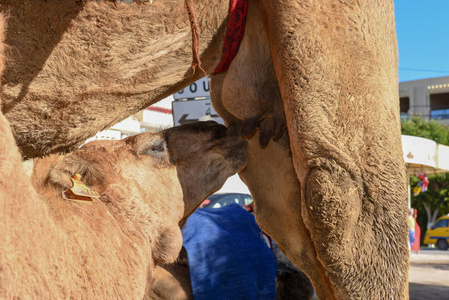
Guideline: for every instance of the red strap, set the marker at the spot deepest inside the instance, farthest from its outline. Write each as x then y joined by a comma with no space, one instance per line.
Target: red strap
238,9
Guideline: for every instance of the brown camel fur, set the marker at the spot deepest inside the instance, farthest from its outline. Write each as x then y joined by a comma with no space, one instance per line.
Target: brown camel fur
79,67
172,281
2,44
331,191
336,68
57,248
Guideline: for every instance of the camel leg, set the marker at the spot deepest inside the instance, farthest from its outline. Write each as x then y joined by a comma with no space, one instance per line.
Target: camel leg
277,206
242,96
336,65
272,181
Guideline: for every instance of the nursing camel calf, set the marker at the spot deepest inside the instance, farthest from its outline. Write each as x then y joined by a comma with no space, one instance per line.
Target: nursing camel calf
318,76
62,243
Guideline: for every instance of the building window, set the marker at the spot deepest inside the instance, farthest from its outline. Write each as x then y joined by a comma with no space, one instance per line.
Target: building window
439,106
404,106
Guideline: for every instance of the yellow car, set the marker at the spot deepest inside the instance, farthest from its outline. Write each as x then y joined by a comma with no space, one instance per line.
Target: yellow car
439,233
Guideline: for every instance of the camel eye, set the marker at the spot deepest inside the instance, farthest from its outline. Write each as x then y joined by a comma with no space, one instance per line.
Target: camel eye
160,147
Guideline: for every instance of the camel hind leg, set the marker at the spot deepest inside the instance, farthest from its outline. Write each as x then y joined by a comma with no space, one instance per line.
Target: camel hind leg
243,96
336,65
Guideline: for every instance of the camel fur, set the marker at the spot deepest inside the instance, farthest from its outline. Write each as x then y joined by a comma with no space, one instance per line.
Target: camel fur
313,88
57,248
79,67
337,220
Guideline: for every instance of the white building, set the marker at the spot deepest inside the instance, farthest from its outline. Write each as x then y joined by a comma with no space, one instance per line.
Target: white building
428,98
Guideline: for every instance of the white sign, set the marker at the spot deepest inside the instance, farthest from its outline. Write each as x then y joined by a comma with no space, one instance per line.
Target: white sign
199,88
193,111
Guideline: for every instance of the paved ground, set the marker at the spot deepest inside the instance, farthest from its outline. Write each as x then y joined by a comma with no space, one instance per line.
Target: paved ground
429,275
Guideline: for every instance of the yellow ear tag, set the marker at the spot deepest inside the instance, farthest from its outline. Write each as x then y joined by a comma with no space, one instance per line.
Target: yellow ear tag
79,191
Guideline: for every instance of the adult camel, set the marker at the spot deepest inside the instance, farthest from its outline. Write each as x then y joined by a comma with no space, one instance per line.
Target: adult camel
330,189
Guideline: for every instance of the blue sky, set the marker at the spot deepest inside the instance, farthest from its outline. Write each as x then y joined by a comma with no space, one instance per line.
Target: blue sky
423,38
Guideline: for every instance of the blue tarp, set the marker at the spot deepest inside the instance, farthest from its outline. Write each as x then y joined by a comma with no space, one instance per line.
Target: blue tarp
227,257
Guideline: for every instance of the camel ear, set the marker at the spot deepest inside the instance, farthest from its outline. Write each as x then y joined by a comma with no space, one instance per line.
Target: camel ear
42,168
71,165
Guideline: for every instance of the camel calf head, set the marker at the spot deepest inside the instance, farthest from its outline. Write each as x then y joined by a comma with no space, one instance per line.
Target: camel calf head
160,177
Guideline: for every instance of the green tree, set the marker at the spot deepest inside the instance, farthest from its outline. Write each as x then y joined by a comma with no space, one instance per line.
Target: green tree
429,129
435,201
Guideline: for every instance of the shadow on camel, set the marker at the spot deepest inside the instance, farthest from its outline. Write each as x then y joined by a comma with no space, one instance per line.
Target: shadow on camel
107,246
313,87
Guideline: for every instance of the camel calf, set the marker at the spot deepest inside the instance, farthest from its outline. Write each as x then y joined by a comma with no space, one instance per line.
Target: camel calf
106,247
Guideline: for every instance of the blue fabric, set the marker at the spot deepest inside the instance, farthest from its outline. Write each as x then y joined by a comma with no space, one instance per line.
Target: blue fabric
227,257
411,236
